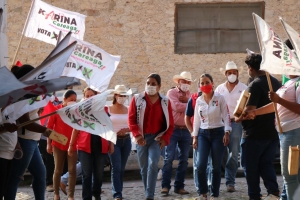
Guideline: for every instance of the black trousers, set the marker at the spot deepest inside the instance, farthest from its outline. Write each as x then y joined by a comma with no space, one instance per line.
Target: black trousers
5,170
48,160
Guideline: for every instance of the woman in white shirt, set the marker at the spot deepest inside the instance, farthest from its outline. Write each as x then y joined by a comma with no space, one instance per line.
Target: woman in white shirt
119,117
210,134
288,105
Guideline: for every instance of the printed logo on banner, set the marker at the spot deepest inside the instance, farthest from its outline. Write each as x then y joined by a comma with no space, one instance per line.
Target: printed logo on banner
60,21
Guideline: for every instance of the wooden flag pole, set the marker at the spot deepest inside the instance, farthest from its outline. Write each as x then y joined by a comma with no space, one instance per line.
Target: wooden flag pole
22,36
274,104
36,119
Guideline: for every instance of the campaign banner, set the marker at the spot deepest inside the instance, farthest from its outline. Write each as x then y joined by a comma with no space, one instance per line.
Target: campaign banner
89,116
277,58
293,35
91,64
45,21
16,110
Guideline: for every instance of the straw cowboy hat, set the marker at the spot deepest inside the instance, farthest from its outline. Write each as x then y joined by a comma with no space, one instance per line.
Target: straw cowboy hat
183,75
121,90
230,65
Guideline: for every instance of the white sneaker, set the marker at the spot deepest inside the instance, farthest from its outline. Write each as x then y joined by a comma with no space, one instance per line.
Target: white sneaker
201,197
272,197
159,175
213,198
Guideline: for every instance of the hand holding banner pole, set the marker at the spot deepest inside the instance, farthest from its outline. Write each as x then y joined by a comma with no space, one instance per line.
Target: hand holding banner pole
274,104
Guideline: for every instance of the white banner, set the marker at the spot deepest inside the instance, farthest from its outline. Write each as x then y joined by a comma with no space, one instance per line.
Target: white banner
91,64
45,21
293,36
16,110
89,116
277,58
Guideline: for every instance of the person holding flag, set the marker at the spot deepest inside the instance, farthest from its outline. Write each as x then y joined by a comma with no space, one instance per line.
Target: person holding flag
151,123
260,139
28,137
91,152
287,99
60,151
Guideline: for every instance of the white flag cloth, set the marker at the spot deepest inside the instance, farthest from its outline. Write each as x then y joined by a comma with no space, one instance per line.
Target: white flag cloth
277,58
89,116
293,36
91,64
45,21
16,110
52,68
10,87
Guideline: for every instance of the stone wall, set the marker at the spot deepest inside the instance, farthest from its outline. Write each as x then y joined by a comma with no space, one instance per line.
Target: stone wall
142,32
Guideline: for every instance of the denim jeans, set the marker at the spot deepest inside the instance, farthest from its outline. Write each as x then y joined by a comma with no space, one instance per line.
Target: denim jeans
233,153
289,138
257,160
65,178
208,170
118,162
92,165
182,138
209,141
32,161
148,157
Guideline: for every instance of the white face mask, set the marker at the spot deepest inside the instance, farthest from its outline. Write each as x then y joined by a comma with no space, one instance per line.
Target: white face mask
121,100
71,103
232,78
150,90
185,87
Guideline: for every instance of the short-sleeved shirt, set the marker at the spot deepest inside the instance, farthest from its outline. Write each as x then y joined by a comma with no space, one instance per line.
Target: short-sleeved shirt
189,111
290,91
263,126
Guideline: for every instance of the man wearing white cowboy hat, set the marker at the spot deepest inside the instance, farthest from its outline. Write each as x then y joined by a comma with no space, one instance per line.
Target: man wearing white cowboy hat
231,90
181,136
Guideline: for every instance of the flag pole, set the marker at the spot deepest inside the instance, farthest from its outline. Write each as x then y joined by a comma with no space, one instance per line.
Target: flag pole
22,36
274,104
36,119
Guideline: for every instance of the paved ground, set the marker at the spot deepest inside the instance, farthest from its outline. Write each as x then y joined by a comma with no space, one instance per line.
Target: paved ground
133,190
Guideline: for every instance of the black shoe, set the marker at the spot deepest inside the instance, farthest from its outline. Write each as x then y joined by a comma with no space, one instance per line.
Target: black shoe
149,199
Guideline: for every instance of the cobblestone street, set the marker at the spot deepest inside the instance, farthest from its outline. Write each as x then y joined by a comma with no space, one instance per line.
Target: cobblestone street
133,190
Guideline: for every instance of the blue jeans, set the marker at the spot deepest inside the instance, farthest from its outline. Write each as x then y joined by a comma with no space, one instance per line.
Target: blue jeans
289,138
208,170
209,141
257,160
233,153
182,138
118,162
148,157
65,178
92,165
32,161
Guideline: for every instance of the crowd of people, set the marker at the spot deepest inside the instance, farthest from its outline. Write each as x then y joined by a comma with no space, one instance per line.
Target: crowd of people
166,124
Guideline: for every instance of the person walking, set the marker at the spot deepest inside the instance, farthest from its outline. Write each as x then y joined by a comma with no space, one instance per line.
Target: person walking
210,135
92,150
231,90
151,123
119,116
181,137
60,152
260,139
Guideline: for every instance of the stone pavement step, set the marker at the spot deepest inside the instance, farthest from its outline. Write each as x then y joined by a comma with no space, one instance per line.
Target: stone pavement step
134,190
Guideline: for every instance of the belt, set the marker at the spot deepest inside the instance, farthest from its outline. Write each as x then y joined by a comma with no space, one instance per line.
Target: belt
180,127
232,120
123,137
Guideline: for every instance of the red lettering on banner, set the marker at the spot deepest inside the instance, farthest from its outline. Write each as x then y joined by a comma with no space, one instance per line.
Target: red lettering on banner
34,89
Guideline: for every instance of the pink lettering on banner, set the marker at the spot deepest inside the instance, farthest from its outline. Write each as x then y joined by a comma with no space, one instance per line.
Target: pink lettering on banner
9,101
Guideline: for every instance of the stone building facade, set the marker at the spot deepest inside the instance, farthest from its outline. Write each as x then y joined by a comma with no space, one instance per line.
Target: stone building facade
143,33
